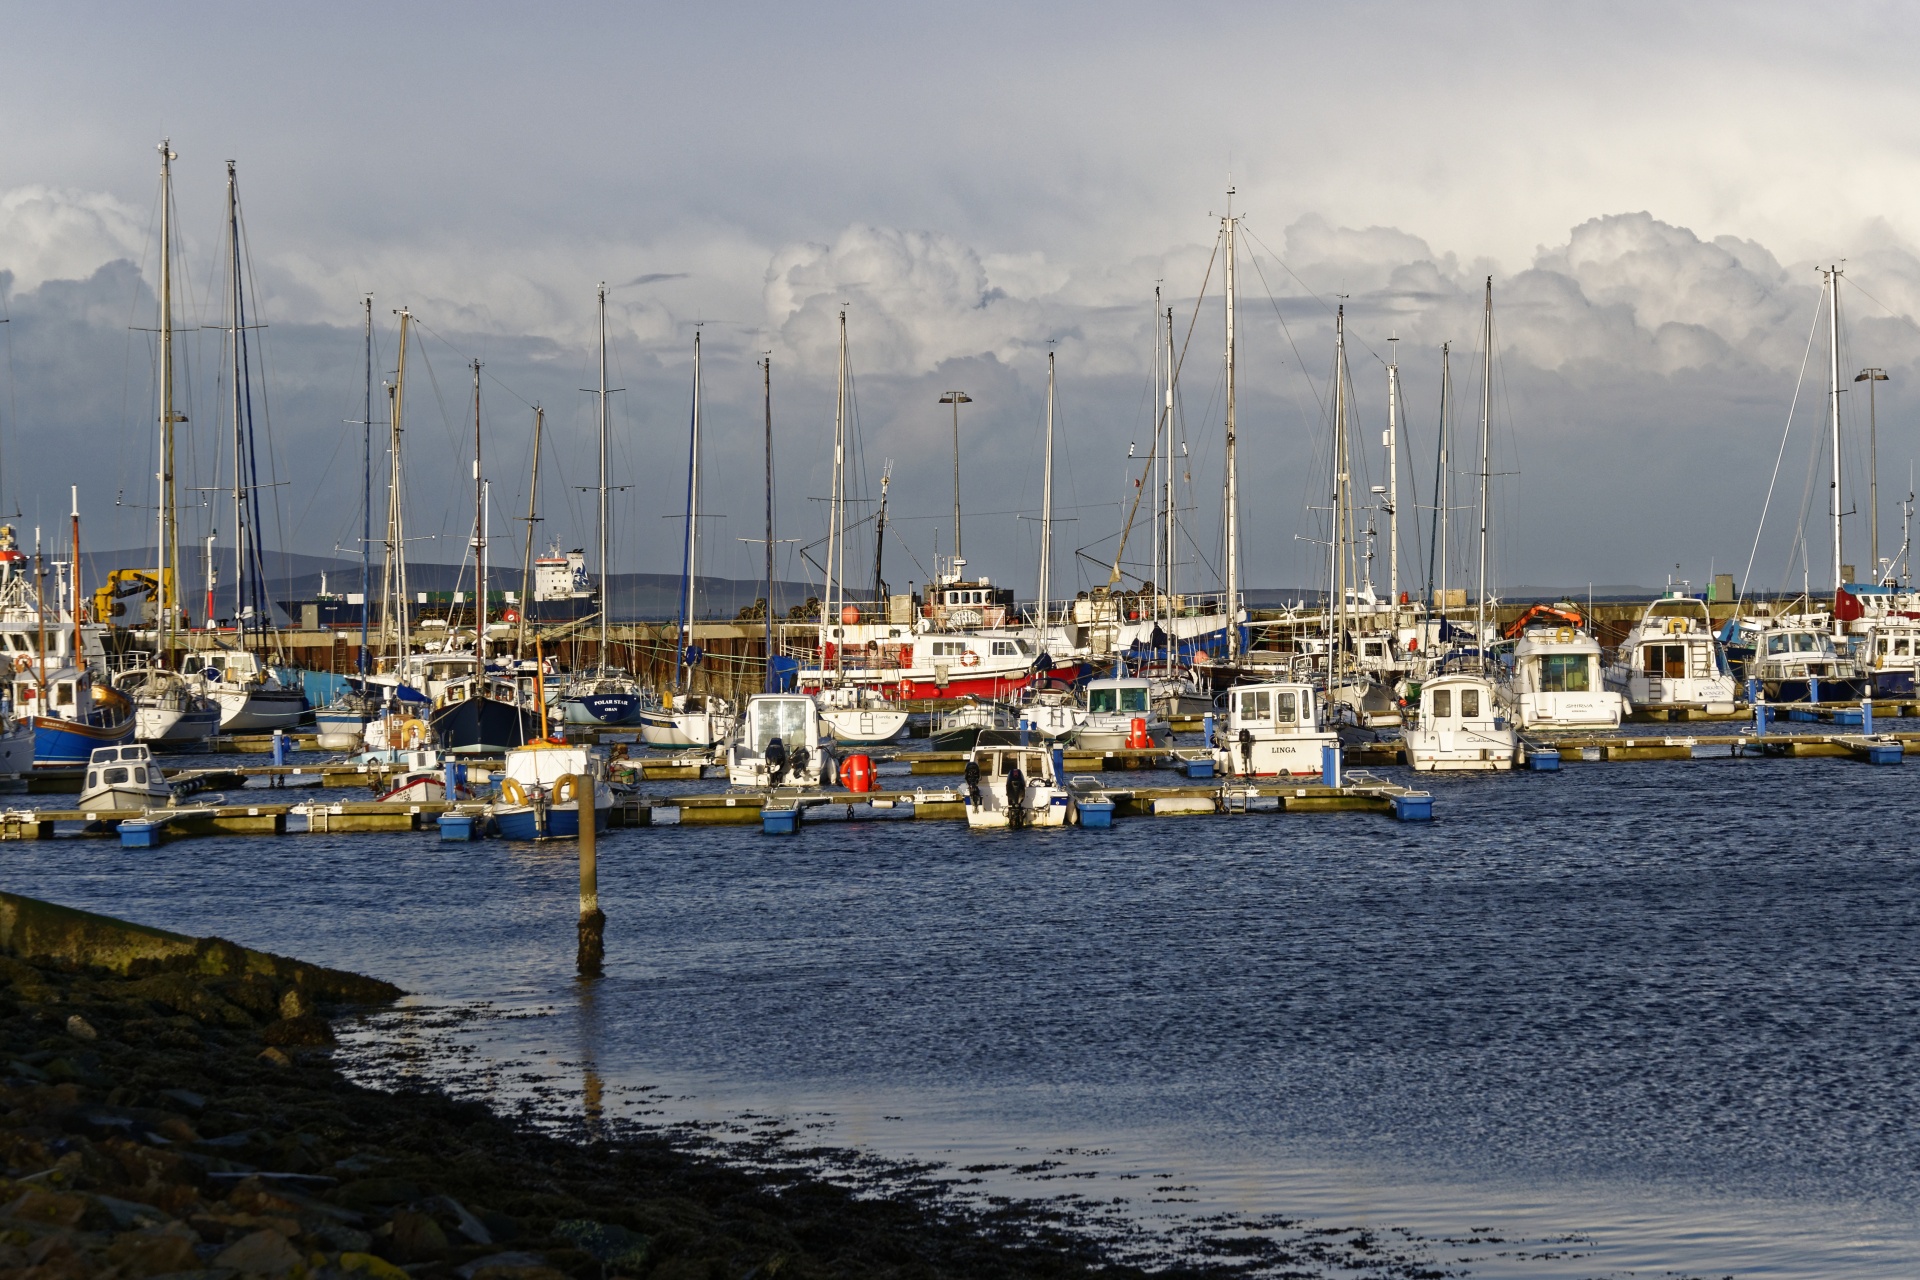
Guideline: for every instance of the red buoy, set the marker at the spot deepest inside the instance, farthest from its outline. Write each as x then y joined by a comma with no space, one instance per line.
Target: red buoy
856,773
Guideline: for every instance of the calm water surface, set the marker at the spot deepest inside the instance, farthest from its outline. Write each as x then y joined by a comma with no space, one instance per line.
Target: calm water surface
1622,1019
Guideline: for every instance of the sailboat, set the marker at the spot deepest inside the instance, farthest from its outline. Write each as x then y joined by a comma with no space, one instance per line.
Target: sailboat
855,713
478,710
603,696
686,718
342,724
240,680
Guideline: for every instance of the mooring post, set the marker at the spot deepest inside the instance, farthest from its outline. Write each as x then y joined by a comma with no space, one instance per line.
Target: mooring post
593,921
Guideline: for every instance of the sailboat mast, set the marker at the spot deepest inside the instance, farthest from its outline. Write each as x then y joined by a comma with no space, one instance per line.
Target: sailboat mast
169,548
1441,543
1393,473
1230,224
1342,516
689,558
1833,415
1486,453
479,529
240,514
1046,518
533,516
1167,413
366,505
396,527
766,396
605,599
1157,468
829,613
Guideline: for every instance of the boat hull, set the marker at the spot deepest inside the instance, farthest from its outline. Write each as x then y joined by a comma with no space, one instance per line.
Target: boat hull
259,710
522,822
1839,689
862,727
1055,809
483,726
59,744
173,727
1890,684
684,728
602,709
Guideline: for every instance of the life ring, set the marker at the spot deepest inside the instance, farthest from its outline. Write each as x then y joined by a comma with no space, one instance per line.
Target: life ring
1564,635
969,659
565,789
512,792
23,664
511,615
413,732
1676,625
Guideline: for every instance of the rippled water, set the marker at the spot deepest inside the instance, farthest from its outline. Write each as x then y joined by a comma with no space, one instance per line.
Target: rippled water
1650,1017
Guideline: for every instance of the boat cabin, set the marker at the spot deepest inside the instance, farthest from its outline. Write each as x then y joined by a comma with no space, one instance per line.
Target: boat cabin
1272,730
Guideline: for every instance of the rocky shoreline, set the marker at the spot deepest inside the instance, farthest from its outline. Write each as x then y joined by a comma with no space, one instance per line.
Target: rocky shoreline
171,1108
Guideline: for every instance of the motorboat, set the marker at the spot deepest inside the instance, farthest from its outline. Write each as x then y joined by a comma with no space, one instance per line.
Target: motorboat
1794,660
250,695
858,716
1671,661
1113,705
1458,726
1272,730
1888,653
421,777
482,714
1015,784
687,720
1554,681
958,728
541,791
124,778
780,743
1053,712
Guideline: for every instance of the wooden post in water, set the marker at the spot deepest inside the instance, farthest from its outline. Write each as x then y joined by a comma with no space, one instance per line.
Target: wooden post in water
593,921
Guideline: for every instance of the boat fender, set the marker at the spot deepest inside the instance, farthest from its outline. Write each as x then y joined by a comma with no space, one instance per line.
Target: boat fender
970,659
512,792
1564,635
565,789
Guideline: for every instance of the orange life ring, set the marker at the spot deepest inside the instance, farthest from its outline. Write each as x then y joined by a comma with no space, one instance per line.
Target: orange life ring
23,664
512,792
413,732
565,789
511,615
969,659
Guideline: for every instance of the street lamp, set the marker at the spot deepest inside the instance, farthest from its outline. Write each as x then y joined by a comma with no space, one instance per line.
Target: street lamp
956,399
1871,376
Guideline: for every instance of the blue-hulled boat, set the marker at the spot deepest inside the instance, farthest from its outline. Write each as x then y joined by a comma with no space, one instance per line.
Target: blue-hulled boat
534,806
71,716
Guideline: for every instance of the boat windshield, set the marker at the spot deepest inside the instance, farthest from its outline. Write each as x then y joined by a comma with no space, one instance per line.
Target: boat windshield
785,719
1564,673
1805,642
1111,700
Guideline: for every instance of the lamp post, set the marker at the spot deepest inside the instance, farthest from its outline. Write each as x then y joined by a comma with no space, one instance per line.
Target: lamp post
956,399
1871,376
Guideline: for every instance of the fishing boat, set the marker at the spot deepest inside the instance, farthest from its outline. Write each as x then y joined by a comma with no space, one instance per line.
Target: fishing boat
605,695
481,714
1671,661
1272,730
780,743
541,795
124,777
1458,726
1015,784
421,777
1120,714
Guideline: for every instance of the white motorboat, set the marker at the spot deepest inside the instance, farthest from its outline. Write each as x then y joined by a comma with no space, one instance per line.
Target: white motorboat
1010,784
1555,681
124,778
421,777
1457,726
780,743
1052,713
1794,660
858,716
1113,705
1670,661
1272,730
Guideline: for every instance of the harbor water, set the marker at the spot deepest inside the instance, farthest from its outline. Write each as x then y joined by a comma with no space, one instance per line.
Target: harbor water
1633,1018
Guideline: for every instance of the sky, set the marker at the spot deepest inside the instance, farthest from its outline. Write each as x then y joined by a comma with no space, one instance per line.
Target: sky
1651,190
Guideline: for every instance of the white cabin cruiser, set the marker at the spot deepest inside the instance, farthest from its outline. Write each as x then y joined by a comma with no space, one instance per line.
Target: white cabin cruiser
1795,660
1011,784
1671,661
1052,713
1458,726
1555,682
1272,730
124,778
780,743
1113,704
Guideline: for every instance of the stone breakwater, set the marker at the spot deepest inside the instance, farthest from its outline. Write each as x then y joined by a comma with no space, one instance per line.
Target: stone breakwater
171,1109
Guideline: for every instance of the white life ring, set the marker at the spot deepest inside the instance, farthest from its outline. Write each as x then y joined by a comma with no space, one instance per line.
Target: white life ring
969,659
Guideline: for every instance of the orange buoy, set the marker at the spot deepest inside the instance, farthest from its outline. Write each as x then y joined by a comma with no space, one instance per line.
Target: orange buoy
1137,737
856,773
849,615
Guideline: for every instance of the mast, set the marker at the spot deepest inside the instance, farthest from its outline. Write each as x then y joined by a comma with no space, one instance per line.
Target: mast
169,548
880,539
836,535
1486,437
1172,509
1157,469
394,583
533,516
1440,537
479,529
240,514
1833,399
1393,473
766,396
605,599
79,657
1046,517
1871,376
1342,502
689,559
366,505
1230,224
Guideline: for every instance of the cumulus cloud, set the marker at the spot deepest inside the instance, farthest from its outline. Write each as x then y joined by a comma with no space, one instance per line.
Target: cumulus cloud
49,234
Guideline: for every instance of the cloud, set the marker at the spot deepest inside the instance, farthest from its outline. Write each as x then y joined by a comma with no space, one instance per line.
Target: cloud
50,234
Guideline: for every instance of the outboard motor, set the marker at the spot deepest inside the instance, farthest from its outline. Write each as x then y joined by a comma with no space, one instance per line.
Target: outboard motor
776,762
799,762
972,775
1246,749
1016,796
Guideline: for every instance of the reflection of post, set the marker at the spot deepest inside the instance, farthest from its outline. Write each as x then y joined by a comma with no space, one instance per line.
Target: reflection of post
593,921
591,1087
